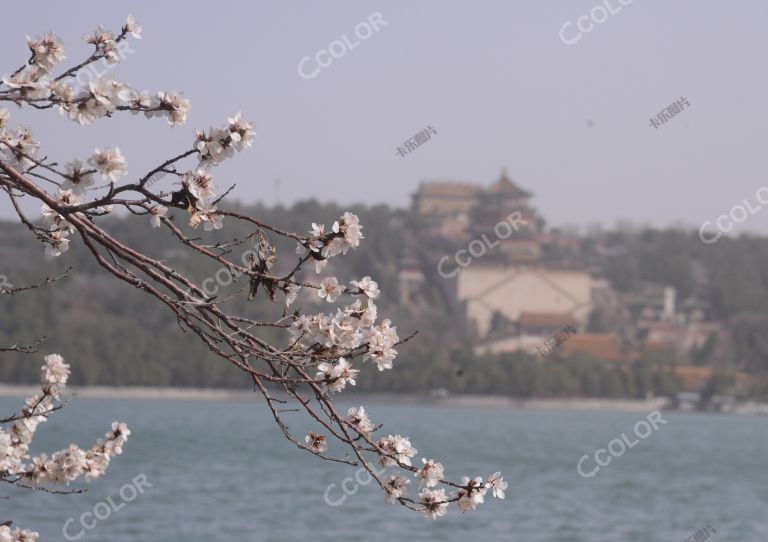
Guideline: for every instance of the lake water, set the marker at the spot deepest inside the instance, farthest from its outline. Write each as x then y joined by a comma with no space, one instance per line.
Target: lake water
222,471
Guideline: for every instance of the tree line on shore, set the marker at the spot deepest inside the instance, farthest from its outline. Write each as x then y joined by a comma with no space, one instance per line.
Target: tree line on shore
112,337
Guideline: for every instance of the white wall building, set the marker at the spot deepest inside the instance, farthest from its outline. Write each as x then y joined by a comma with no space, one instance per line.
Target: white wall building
514,290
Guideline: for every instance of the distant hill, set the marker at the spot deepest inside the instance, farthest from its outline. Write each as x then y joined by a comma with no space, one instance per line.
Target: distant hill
114,335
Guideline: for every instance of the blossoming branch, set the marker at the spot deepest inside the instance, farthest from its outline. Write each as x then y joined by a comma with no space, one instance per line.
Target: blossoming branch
321,355
17,467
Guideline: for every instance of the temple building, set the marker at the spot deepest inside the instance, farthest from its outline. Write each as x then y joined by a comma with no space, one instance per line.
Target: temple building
495,205
511,296
515,288
444,207
463,211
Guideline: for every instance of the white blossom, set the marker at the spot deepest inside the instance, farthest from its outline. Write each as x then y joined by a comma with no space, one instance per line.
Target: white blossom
12,453
336,377
291,291
47,51
132,27
349,328
56,243
78,179
472,494
111,53
105,43
359,419
395,486
317,231
70,463
241,132
141,101
430,474
199,183
63,93
210,145
19,147
110,163
116,438
497,484
215,146
175,105
53,219
110,93
211,219
397,449
220,143
349,225
381,341
329,289
17,535
5,448
55,374
86,111
206,214
434,503
155,212
346,234
66,465
31,83
96,464
367,286
99,37
367,314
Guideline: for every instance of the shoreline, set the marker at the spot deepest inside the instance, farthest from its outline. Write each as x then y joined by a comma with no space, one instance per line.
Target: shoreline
457,401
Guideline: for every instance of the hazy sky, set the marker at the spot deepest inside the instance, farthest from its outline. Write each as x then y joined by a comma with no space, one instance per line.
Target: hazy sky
570,122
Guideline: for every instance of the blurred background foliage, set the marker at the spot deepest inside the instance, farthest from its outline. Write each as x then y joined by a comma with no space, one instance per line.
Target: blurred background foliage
114,335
